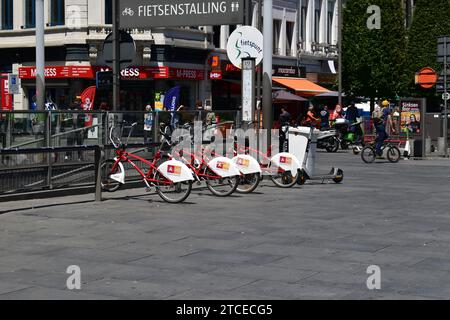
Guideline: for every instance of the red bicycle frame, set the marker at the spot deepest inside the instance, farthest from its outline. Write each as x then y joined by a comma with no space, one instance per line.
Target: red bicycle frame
124,156
199,172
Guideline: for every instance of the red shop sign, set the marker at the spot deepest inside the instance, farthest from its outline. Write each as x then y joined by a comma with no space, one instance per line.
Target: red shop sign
140,72
59,72
6,98
88,72
216,75
186,74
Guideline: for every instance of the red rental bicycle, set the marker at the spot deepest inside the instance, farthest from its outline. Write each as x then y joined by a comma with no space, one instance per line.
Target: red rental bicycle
220,174
279,176
171,179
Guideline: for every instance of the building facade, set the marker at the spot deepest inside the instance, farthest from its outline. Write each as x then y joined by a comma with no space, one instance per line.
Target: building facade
305,37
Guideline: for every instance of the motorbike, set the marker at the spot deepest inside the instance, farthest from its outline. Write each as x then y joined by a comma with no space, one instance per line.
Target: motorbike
328,140
350,135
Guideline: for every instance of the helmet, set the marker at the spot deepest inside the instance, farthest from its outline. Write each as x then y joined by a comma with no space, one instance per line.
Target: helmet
385,103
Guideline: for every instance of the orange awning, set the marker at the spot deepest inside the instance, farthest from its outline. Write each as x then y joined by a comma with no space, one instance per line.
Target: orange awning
301,86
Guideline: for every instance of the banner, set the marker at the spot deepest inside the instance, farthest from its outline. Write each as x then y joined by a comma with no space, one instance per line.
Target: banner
171,101
411,117
87,103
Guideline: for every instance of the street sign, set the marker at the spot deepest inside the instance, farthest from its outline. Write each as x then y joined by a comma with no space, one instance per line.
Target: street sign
104,79
127,50
441,48
174,13
440,87
446,96
245,42
248,89
13,84
426,78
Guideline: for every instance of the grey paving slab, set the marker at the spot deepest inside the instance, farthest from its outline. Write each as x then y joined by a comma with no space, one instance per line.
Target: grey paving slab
42,293
309,242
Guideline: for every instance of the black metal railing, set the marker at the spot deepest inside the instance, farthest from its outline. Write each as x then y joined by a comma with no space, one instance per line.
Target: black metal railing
37,169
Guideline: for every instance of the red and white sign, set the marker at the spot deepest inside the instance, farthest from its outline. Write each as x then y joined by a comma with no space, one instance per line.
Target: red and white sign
6,98
175,170
216,75
58,72
89,72
140,72
186,74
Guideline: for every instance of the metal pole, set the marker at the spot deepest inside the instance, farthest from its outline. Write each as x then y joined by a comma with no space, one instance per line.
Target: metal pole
116,56
340,22
40,55
267,69
258,84
445,101
248,16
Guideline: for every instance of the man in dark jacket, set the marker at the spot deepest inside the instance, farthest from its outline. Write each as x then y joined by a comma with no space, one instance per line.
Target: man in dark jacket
352,113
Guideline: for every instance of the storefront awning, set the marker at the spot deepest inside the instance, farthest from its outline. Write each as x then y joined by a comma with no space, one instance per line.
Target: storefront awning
301,86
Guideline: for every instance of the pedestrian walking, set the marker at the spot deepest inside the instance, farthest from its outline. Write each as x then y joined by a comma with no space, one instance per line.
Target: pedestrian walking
148,123
325,118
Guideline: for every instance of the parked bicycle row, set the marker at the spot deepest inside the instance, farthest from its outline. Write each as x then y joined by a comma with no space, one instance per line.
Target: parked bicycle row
172,174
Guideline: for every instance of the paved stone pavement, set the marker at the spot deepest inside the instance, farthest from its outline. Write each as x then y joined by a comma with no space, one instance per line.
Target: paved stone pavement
310,242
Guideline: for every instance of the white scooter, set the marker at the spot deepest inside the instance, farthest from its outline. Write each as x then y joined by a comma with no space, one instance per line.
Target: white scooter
303,144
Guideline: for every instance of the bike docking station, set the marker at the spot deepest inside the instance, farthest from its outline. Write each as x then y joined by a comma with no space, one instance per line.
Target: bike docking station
303,145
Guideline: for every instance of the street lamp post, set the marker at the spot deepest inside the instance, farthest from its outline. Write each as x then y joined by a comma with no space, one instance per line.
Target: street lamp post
340,22
445,122
116,56
40,55
267,68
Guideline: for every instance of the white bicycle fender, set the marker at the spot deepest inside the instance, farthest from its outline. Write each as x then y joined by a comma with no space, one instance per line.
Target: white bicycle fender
247,164
286,161
176,171
119,177
224,167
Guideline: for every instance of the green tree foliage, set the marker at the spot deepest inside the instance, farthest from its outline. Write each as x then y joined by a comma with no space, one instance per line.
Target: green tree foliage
374,59
431,19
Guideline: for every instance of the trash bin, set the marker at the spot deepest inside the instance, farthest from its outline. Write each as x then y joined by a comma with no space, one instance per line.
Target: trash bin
417,149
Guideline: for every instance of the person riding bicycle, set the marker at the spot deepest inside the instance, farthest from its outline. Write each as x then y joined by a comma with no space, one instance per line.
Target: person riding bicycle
380,128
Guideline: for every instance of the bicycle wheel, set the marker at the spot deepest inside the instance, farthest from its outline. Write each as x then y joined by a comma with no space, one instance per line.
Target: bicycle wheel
393,154
339,177
221,187
172,193
368,155
284,179
108,184
248,183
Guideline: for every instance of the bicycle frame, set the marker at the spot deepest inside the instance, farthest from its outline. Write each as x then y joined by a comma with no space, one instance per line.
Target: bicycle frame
124,156
199,172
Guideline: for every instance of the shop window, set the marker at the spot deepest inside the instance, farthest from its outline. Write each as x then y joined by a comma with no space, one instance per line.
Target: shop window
7,14
108,12
276,36
330,21
290,36
317,10
57,17
303,13
30,14
216,36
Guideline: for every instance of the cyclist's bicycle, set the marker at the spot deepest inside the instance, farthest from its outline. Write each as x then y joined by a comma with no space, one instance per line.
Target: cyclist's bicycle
171,179
368,154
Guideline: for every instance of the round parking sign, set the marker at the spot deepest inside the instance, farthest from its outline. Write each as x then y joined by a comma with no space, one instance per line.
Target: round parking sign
245,42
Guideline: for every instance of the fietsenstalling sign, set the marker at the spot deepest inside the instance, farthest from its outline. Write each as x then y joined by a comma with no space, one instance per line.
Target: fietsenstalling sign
175,13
